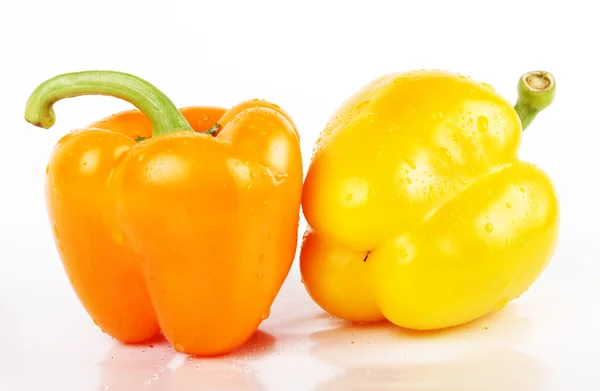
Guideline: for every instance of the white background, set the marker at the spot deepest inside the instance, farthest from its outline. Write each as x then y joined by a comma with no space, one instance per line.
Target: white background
307,57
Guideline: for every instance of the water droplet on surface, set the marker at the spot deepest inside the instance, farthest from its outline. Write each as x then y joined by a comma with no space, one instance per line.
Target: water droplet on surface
155,376
402,252
508,205
508,241
259,275
411,163
141,157
482,124
56,231
408,180
47,168
489,227
348,197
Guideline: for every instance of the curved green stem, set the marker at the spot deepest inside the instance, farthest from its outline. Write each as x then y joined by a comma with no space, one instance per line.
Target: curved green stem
162,113
536,92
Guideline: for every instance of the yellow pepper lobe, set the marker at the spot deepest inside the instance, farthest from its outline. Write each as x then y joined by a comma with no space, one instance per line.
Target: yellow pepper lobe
417,170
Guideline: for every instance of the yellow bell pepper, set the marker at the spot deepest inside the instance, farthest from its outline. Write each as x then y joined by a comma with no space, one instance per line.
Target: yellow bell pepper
419,209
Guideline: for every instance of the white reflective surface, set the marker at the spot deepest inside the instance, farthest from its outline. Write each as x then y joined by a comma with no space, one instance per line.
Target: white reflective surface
546,340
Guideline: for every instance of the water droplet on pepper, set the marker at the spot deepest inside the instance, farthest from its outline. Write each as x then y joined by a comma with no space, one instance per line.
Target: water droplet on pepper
482,124
117,237
179,347
446,155
371,117
501,304
402,253
411,163
488,86
362,104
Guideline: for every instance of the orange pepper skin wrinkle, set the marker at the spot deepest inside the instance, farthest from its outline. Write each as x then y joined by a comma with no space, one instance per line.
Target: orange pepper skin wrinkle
171,233
419,208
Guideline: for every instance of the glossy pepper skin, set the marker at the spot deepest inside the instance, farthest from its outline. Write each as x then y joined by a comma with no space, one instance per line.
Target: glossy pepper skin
419,209
184,231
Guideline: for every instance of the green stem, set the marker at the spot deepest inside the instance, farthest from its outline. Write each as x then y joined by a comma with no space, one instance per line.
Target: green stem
214,129
536,92
162,113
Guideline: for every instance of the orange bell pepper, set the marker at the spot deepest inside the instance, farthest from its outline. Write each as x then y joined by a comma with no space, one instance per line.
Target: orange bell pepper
191,229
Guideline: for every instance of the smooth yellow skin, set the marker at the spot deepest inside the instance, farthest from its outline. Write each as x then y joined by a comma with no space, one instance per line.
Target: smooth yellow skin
419,209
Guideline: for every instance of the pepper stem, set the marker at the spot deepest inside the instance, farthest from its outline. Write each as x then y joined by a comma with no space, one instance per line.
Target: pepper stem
160,110
536,92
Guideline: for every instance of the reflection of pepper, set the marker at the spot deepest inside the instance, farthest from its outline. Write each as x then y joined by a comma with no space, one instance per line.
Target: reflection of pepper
419,209
186,232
